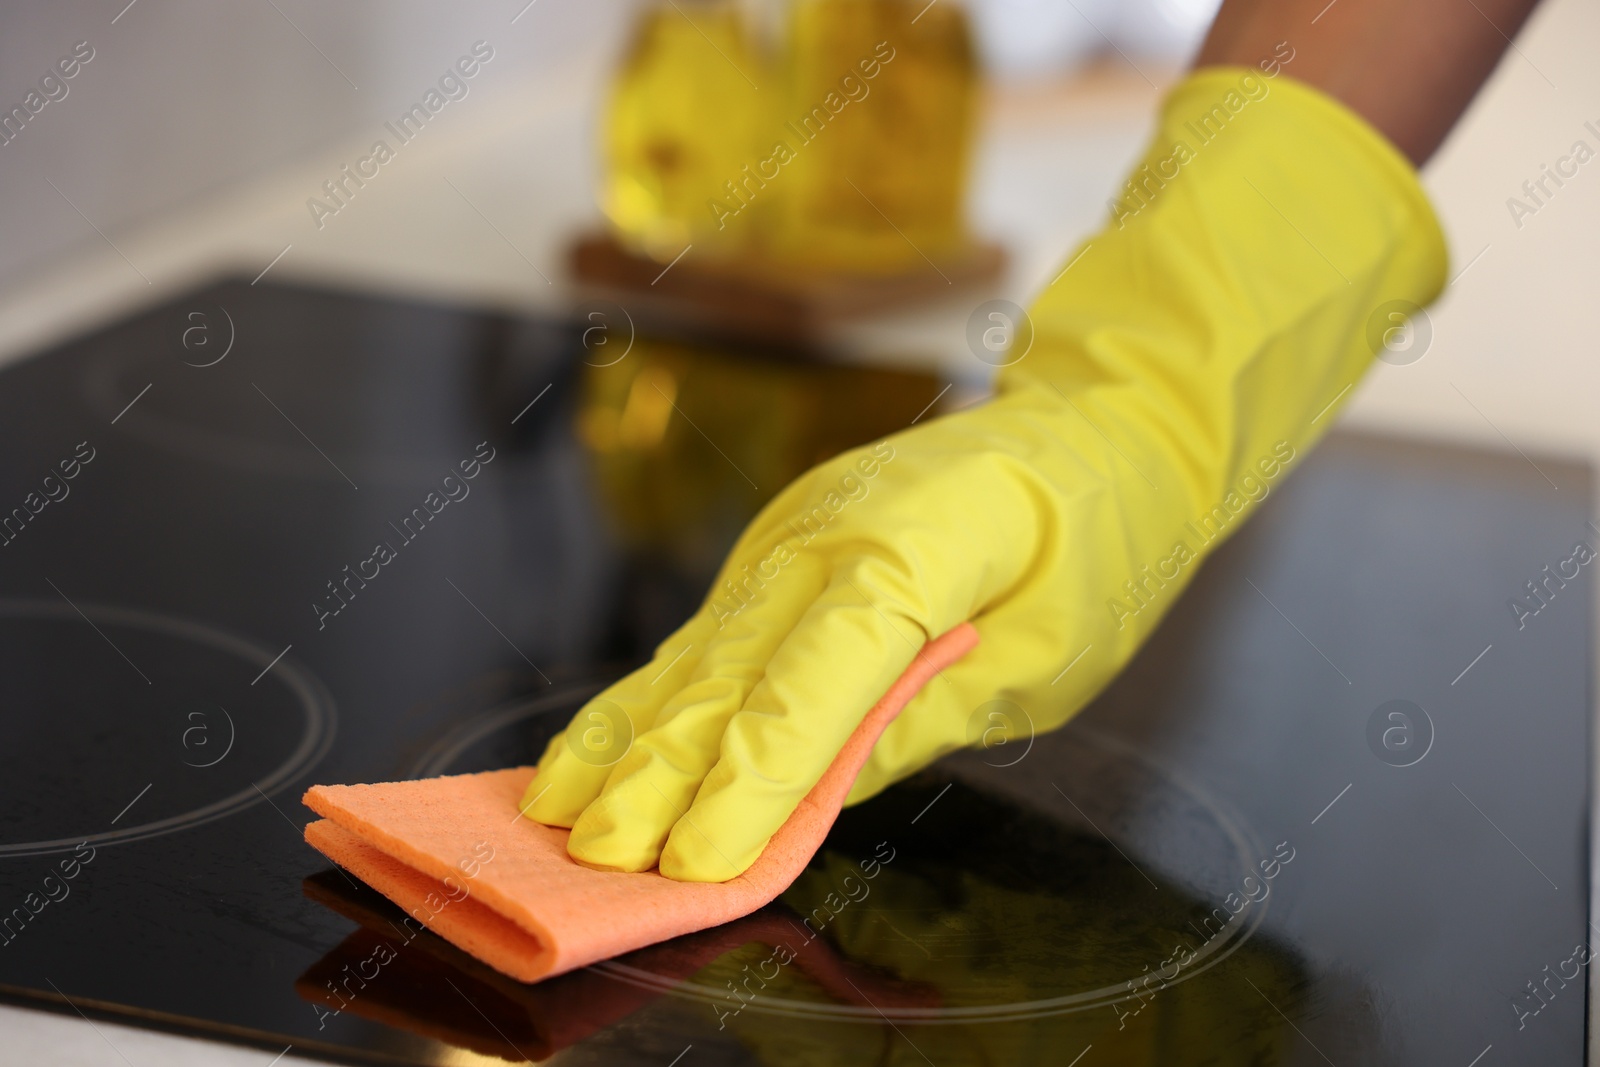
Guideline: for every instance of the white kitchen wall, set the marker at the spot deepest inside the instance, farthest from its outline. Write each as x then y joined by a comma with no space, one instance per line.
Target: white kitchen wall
183,97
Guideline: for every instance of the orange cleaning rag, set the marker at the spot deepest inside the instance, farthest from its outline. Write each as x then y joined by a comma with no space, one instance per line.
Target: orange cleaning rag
528,909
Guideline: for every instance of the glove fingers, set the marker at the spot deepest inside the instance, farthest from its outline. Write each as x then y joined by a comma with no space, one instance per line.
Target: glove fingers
652,786
578,761
840,658
1010,688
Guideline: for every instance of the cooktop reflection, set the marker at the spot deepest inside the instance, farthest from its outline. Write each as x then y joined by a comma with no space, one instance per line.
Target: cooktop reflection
74,718
1334,813
1036,915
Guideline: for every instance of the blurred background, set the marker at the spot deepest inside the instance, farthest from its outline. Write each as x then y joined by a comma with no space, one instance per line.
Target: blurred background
194,138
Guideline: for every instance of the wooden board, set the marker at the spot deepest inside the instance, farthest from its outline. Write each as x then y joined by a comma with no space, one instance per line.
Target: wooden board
770,301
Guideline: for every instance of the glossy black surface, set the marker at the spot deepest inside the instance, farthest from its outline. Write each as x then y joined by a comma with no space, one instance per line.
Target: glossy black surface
1022,905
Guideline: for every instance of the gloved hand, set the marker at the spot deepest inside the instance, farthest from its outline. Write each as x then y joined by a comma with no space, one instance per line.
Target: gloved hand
1177,370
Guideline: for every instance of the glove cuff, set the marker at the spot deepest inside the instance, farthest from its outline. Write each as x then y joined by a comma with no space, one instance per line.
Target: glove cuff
1251,269
1293,126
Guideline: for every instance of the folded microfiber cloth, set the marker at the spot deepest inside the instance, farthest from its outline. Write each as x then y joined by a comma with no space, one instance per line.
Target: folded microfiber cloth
529,910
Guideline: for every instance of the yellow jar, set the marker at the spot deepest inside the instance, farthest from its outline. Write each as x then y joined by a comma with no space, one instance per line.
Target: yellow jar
881,107
684,109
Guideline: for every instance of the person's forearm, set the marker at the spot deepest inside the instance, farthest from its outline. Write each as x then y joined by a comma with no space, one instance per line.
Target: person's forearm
1409,67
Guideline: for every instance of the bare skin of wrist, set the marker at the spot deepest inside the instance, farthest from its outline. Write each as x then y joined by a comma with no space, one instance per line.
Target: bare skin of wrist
1409,67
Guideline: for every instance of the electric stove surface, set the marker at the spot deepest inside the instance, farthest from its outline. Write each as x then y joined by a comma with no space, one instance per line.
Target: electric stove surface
1335,812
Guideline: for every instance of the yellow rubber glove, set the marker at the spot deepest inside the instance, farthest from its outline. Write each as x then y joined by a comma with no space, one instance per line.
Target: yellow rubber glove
1177,369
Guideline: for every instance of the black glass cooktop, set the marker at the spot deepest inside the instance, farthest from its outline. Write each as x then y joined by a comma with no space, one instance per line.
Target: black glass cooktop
1336,812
